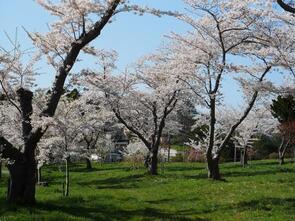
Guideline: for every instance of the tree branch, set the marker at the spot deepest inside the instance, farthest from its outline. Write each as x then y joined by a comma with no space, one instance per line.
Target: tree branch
286,7
68,63
71,57
8,98
243,117
133,130
8,151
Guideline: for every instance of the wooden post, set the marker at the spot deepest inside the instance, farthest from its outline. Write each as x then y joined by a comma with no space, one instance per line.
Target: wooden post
67,178
0,169
169,147
235,153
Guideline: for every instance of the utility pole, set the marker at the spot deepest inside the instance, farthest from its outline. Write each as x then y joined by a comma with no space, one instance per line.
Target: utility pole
169,147
0,168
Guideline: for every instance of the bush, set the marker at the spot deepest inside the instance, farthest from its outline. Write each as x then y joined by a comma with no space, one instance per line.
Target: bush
196,156
178,158
136,160
135,153
266,146
273,155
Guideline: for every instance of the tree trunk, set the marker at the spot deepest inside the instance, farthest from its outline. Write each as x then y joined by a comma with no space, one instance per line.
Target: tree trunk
22,170
282,156
39,175
21,184
213,168
0,169
67,178
244,157
153,167
22,181
281,160
88,164
282,151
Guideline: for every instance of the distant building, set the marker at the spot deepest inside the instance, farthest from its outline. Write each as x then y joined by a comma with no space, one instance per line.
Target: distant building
118,141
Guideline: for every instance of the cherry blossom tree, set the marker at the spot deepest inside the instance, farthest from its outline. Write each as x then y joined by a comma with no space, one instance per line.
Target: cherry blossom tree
244,41
142,99
64,131
259,121
79,23
75,133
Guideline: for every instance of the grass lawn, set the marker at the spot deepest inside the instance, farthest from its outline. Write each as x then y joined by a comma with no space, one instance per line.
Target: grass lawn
262,191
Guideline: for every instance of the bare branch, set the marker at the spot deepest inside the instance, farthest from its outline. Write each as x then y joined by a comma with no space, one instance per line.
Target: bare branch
286,7
243,117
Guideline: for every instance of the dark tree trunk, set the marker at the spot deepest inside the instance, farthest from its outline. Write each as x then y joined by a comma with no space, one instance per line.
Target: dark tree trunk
21,184
213,169
282,151
282,156
151,161
286,7
213,166
22,181
244,157
153,169
88,164
281,160
0,169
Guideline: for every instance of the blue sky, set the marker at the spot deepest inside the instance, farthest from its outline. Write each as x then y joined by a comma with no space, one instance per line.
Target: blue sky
130,35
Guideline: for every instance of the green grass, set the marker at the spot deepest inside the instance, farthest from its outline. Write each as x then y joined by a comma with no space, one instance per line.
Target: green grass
180,147
262,191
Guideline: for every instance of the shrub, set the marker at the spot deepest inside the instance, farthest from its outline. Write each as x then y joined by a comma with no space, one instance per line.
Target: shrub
178,158
273,155
196,156
135,153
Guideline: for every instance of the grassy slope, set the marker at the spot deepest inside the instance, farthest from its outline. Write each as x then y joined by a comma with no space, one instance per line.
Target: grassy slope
263,191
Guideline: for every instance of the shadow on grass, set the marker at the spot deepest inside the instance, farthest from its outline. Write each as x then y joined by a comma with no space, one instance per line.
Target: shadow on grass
78,167
73,209
183,168
104,212
270,163
98,211
231,170
266,204
245,172
171,201
196,176
236,165
125,182
96,169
